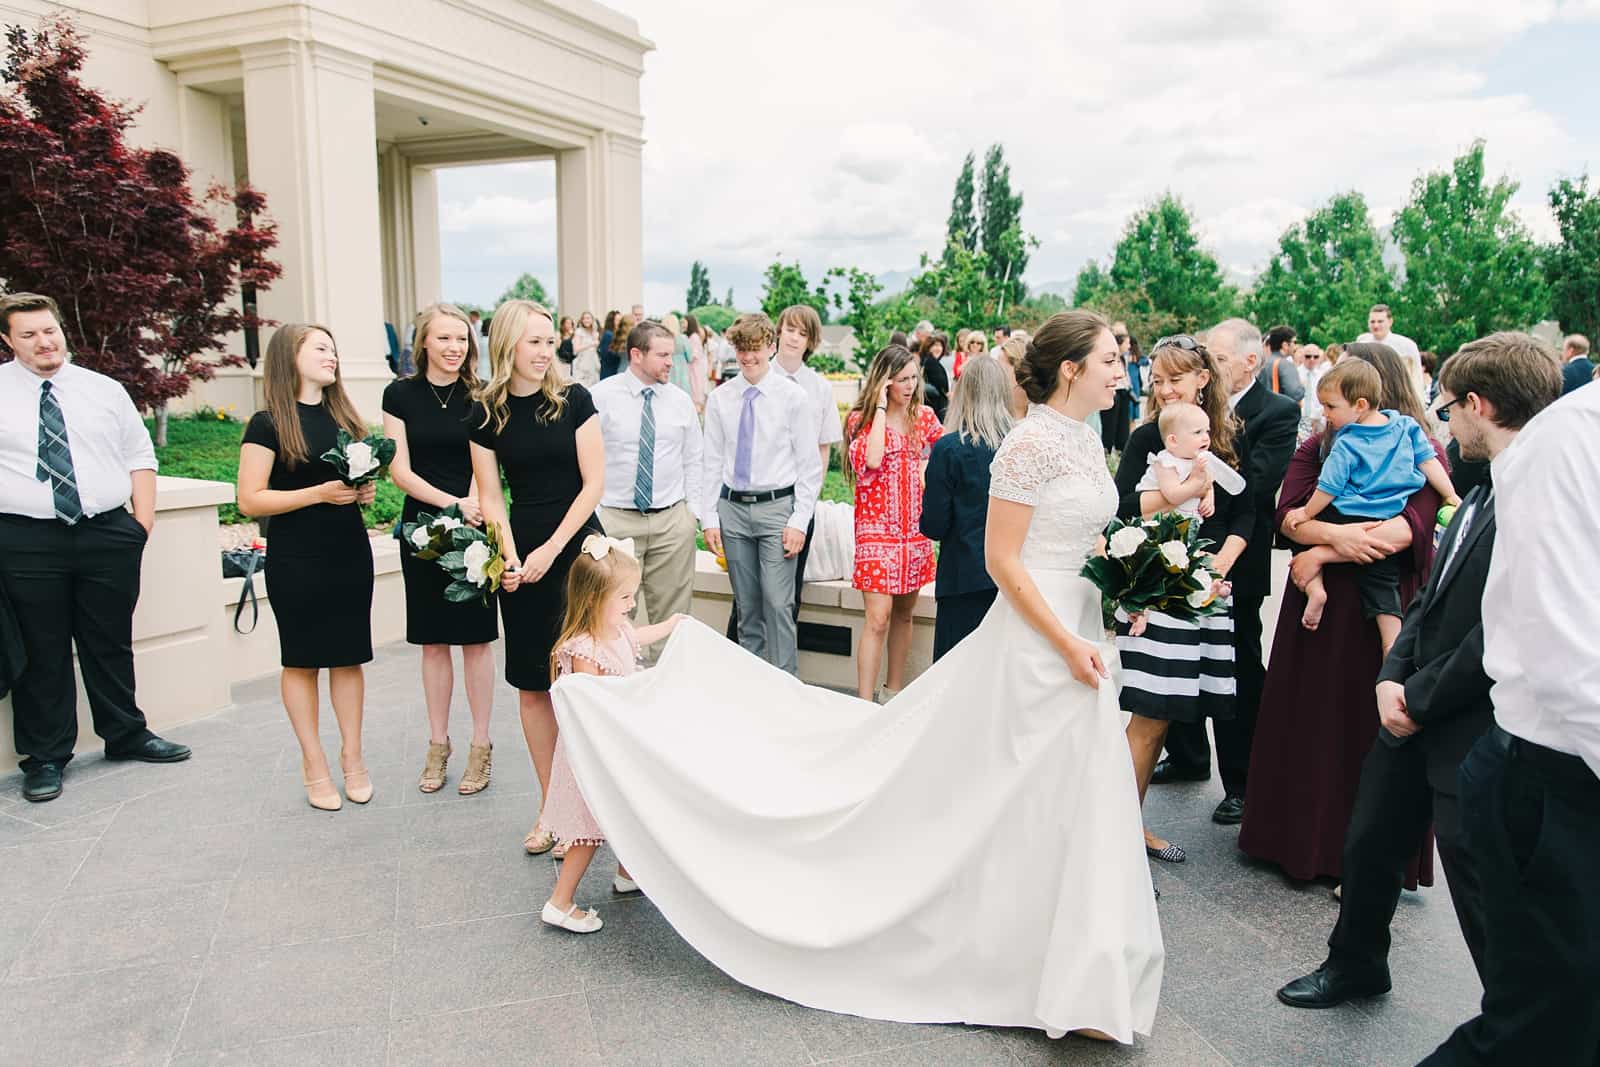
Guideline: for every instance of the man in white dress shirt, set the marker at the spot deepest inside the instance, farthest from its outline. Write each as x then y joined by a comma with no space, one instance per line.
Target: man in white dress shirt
762,476
653,470
1530,789
1380,328
73,452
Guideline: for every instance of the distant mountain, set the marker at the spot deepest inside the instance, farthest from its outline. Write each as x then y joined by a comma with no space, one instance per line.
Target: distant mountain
894,282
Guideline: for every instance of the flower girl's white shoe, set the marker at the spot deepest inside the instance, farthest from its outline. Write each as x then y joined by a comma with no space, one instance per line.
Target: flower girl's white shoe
579,922
619,884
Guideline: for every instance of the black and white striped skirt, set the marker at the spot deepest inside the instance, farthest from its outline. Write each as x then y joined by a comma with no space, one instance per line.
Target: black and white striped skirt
1177,670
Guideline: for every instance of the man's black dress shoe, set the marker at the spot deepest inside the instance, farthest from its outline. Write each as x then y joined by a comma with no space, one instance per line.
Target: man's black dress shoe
41,782
1166,771
152,750
1230,812
1328,987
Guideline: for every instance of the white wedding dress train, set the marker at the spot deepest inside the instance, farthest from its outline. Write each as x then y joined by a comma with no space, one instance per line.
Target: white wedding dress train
970,852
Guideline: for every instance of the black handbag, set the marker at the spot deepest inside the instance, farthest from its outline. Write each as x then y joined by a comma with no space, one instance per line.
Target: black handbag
243,563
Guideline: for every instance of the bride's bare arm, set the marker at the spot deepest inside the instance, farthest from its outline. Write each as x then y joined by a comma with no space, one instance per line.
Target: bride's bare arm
1002,552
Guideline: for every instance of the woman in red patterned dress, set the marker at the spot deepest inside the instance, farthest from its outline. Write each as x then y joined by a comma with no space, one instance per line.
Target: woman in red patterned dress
888,435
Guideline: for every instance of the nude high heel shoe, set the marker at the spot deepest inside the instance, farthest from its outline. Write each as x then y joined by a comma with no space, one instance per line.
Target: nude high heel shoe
329,801
357,782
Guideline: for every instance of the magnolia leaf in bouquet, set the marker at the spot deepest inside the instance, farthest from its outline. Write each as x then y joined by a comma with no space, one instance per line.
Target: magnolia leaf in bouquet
453,561
462,536
460,591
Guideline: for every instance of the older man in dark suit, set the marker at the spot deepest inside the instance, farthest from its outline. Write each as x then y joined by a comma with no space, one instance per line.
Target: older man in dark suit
1271,423
1433,693
1578,366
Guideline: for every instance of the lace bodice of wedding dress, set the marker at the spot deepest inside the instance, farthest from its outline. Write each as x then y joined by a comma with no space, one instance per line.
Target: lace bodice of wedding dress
1057,466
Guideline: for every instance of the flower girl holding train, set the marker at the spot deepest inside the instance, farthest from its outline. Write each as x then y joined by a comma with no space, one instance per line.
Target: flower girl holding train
596,638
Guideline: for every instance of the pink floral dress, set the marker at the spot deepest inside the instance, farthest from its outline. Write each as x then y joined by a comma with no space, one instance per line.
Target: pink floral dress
892,555
565,813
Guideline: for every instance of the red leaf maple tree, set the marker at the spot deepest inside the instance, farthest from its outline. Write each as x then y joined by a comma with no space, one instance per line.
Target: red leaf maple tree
145,276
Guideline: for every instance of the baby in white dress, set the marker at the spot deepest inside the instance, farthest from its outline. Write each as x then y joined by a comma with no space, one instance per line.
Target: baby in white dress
1186,472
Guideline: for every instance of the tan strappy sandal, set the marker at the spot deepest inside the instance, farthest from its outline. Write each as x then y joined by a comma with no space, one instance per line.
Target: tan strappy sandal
480,762
539,841
432,779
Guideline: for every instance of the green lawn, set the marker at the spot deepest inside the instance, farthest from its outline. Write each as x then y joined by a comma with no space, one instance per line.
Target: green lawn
208,448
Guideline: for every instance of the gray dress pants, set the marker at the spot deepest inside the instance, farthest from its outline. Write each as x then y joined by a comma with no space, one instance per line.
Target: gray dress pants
762,578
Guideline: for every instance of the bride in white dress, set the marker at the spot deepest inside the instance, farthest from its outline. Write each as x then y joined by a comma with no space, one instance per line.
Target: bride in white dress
969,852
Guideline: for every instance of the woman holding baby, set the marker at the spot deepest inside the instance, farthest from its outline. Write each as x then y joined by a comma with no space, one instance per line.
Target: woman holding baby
1187,456
1318,715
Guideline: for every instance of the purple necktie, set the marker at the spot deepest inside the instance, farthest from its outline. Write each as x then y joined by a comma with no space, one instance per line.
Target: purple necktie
747,439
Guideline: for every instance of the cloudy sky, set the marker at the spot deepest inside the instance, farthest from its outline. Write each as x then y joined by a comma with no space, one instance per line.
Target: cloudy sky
831,132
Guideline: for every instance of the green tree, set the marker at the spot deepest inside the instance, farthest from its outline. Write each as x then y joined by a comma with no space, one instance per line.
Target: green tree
526,287
699,286
1093,282
728,302
960,288
786,285
1572,264
961,231
1031,313
1327,273
1000,226
1471,265
1161,280
860,297
715,316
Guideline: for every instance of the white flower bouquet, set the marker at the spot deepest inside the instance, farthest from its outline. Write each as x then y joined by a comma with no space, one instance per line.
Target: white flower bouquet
1155,564
360,462
470,556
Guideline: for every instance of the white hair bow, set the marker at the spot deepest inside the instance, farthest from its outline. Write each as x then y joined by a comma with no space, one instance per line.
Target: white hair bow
598,545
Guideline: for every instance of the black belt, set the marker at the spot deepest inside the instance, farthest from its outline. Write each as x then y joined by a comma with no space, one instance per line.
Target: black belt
740,496
650,511
1561,769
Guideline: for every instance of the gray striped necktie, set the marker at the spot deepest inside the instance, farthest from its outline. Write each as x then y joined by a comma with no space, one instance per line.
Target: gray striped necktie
55,458
644,478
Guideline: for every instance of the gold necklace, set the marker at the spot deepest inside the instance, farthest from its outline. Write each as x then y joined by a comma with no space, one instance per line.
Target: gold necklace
448,394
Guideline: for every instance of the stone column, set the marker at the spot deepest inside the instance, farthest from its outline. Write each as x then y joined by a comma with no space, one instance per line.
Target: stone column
311,138
426,272
599,225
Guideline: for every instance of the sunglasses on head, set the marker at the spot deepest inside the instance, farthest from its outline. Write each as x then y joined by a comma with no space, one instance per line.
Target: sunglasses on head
1177,340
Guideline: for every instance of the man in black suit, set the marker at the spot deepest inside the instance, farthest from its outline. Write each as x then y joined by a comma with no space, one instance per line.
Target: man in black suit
1271,423
1578,368
1433,694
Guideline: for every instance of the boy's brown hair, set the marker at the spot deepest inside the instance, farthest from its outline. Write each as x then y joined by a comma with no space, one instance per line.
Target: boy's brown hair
804,317
1354,379
751,332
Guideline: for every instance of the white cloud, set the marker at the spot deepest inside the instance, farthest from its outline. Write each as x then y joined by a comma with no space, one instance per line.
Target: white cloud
832,132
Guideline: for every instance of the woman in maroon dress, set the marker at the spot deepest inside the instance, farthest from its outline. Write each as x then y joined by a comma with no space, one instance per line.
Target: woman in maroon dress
1319,717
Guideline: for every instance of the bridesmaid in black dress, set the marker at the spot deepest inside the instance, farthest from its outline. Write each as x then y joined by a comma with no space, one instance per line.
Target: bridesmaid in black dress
542,431
427,416
319,568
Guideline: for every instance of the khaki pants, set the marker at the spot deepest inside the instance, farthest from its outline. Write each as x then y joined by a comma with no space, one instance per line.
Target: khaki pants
664,541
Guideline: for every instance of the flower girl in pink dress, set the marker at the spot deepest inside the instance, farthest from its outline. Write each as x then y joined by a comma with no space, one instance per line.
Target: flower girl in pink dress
596,638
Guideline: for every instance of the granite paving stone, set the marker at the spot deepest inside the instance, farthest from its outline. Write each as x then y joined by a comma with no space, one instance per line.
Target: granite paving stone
204,915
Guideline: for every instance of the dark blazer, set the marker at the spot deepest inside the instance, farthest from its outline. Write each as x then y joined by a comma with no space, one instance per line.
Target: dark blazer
1577,372
1438,656
1272,426
955,511
1234,514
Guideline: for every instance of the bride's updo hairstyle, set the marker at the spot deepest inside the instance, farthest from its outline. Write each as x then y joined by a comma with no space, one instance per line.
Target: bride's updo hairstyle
1066,337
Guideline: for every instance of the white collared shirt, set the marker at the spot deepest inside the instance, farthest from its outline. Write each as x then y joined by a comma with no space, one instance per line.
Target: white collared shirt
784,452
1540,618
830,429
104,431
1233,401
678,465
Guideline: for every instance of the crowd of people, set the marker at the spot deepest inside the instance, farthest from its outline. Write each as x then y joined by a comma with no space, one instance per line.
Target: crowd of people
1394,710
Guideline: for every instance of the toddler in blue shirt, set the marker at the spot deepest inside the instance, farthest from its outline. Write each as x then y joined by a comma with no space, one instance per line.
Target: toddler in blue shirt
1379,458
